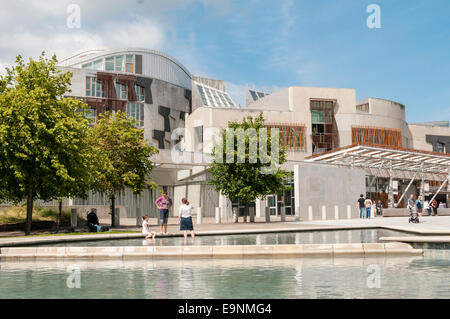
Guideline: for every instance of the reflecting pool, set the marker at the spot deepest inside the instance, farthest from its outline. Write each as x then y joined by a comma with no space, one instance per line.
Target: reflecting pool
318,237
393,277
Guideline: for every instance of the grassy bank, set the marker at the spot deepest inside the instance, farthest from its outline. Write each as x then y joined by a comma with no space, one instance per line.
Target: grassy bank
18,214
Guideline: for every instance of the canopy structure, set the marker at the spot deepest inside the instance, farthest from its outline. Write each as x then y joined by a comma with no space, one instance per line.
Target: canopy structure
386,158
391,162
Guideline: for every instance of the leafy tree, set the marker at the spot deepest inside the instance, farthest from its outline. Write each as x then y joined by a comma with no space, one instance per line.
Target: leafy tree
122,157
244,173
44,151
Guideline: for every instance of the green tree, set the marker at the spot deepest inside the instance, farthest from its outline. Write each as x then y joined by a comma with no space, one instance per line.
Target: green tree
122,157
239,170
44,152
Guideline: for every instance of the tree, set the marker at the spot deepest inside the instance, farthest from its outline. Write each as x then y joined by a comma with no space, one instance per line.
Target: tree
245,164
44,151
122,157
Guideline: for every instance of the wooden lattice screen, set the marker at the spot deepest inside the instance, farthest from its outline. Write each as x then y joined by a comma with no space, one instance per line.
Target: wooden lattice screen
376,136
291,135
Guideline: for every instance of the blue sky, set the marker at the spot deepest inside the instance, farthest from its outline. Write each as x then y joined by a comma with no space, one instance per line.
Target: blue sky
270,44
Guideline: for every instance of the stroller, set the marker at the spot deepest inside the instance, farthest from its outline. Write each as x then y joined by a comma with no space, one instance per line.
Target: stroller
414,216
94,224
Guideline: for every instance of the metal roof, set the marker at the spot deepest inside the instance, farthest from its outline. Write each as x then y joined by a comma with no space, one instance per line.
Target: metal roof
386,158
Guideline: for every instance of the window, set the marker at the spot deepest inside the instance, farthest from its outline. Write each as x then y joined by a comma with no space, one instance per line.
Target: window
118,63
109,64
363,108
291,135
376,136
86,66
136,112
97,65
129,63
139,93
91,114
441,147
121,91
324,137
94,87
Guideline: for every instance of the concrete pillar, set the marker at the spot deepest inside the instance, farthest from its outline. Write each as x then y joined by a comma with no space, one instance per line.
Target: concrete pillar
310,213
349,212
283,214
391,191
324,212
297,192
218,219
267,214
138,216
251,212
336,212
260,206
235,214
73,218
199,215
117,216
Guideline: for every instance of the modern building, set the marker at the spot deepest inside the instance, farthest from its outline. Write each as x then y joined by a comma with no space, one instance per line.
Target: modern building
319,126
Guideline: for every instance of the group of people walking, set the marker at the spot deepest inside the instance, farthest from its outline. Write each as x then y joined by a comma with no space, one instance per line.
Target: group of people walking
366,206
164,203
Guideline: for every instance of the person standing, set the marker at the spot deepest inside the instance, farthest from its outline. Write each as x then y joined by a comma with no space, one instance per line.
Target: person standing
419,206
164,203
185,219
361,206
427,207
379,208
368,206
434,207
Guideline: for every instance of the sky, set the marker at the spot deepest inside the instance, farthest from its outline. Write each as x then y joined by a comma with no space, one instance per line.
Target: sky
267,44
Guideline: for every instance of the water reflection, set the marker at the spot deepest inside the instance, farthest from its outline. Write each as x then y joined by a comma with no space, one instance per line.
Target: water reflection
400,277
319,237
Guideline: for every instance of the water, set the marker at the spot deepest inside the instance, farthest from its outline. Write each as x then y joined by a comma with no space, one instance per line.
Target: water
399,277
319,237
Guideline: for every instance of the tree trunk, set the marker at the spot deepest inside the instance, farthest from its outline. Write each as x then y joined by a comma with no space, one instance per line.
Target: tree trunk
58,221
245,212
113,210
29,211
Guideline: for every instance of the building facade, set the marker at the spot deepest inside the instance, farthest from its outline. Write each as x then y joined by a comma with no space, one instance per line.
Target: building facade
178,110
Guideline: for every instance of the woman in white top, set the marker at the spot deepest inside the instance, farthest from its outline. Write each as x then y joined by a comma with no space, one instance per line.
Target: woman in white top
185,219
146,228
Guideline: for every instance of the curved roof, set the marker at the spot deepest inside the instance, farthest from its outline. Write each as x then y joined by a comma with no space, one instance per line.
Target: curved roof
156,64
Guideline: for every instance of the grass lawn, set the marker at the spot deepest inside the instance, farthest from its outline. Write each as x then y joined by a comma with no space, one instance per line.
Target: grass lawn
18,214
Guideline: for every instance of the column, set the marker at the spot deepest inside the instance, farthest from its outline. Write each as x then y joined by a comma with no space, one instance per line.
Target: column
297,192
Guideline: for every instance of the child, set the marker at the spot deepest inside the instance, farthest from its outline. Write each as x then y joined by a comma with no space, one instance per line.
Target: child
146,228
185,219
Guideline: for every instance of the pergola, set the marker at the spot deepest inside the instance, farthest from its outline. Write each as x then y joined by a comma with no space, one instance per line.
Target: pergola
415,162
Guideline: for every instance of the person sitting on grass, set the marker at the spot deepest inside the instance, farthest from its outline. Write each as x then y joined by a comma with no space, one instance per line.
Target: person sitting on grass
146,228
185,219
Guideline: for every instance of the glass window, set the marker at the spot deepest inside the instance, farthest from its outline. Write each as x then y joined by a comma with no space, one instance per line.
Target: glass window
121,91
139,93
109,64
119,60
441,147
88,86
86,66
97,65
136,112
91,114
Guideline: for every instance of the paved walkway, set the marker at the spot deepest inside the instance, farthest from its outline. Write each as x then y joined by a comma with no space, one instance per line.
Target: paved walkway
436,226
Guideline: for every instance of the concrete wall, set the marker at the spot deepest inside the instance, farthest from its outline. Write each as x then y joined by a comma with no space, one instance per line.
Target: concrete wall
320,185
419,133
